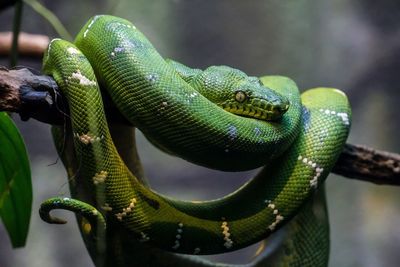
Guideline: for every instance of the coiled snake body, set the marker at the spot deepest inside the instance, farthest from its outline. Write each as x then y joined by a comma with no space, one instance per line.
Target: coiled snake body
219,118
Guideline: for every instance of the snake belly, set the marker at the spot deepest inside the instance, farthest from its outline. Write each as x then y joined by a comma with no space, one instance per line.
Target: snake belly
299,151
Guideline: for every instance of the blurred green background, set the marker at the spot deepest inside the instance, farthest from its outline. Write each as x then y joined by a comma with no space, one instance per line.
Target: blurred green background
353,45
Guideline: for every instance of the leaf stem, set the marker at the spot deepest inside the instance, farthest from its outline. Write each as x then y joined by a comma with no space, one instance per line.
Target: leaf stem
51,18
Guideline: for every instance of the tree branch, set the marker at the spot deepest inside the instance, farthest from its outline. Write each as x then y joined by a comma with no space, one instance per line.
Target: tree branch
30,95
368,164
38,97
31,45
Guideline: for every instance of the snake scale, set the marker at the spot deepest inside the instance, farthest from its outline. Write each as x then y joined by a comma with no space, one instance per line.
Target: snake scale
218,118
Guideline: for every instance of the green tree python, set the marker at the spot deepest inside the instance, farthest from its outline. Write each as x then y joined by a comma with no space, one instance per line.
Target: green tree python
218,118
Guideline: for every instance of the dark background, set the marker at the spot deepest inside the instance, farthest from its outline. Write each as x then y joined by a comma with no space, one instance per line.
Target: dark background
353,45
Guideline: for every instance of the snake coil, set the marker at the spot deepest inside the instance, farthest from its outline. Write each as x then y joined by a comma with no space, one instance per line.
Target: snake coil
219,118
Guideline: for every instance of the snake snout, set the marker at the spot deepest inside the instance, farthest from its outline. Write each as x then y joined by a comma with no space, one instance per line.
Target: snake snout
259,108
270,108
283,106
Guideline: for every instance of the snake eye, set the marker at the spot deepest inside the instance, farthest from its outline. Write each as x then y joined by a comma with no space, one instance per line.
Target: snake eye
240,96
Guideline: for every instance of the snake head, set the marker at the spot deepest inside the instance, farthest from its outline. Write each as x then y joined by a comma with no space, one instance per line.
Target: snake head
243,95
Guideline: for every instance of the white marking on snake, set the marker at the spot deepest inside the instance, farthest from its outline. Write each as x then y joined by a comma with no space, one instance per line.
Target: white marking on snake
152,78
345,118
49,47
117,50
72,50
322,136
317,169
225,231
275,211
89,26
178,236
126,210
88,138
100,177
342,115
81,78
125,25
163,107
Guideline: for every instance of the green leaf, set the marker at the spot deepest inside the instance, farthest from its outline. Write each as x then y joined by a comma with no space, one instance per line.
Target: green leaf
15,182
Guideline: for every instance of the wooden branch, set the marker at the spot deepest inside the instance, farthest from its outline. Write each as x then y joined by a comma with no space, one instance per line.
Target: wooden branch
368,164
38,97
31,45
30,95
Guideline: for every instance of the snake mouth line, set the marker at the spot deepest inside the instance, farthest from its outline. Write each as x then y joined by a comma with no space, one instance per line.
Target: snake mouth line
254,112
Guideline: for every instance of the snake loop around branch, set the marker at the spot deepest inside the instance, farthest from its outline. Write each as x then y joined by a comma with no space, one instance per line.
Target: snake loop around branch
165,100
